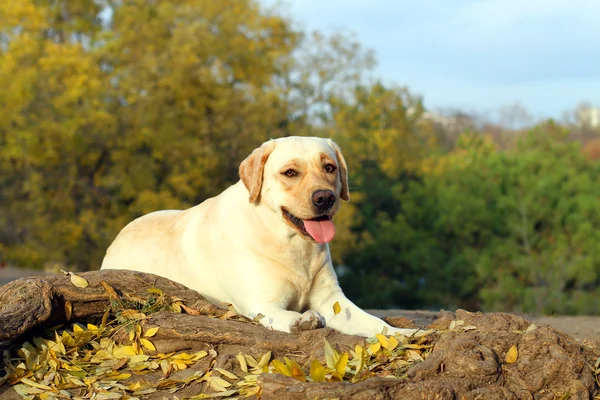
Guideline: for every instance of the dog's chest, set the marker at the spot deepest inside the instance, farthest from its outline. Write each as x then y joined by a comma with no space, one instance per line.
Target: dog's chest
300,282
298,296
294,271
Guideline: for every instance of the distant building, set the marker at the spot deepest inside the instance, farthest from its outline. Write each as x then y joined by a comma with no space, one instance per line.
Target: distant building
450,121
588,116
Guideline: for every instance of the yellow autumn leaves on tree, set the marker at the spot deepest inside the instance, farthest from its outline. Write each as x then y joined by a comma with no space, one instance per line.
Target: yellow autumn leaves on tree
115,109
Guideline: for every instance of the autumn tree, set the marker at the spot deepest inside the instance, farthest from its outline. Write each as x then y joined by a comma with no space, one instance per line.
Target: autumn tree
114,109
53,120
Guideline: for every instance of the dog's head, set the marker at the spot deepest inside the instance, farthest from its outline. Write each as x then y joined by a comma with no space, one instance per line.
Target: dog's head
300,178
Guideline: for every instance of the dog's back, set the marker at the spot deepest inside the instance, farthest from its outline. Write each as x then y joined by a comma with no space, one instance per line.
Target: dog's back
178,245
144,242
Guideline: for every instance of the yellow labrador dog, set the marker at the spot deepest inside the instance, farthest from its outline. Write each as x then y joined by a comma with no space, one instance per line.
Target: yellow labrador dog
262,244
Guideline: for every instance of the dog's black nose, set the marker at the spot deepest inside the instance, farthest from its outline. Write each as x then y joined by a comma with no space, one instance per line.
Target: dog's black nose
323,199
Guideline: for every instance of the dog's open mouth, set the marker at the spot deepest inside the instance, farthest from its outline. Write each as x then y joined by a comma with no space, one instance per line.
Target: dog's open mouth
320,229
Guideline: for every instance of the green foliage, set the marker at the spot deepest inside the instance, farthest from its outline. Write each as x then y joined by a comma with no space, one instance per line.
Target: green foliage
508,230
526,222
113,109
547,254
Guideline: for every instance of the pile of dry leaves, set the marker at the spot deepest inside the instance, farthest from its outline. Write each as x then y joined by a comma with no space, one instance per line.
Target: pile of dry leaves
110,359
126,335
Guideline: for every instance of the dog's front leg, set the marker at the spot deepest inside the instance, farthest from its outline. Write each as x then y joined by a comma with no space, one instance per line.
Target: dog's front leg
274,317
351,319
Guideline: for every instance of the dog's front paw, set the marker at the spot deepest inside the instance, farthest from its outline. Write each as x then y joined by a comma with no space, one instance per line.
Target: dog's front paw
307,321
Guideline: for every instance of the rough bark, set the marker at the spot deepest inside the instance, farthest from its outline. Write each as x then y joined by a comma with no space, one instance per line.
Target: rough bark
464,365
30,302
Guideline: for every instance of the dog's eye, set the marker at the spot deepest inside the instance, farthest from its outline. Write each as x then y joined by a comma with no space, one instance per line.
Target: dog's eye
290,173
330,168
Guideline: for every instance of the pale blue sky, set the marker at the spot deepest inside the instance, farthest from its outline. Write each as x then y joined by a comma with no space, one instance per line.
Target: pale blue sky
475,55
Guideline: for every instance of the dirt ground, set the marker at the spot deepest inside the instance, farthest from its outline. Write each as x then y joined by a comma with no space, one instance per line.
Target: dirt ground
579,327
8,274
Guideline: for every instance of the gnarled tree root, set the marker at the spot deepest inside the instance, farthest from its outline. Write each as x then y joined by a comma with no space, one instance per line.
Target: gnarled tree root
463,364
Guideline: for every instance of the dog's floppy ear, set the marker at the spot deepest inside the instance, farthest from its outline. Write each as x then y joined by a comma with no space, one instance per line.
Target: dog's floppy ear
343,168
251,169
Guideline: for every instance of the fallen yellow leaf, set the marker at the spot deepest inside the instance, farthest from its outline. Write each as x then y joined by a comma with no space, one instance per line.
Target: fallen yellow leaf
138,358
179,364
147,344
317,371
110,291
124,351
512,354
331,356
414,355
264,359
167,384
218,384
68,310
156,291
242,360
382,339
340,366
392,343
199,355
250,361
92,327
151,332
120,364
297,372
177,306
120,377
165,367
374,348
337,308
226,373
35,384
78,281
104,319
281,367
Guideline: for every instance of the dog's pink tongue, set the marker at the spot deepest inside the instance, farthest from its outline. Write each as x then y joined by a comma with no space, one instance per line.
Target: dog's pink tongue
322,231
